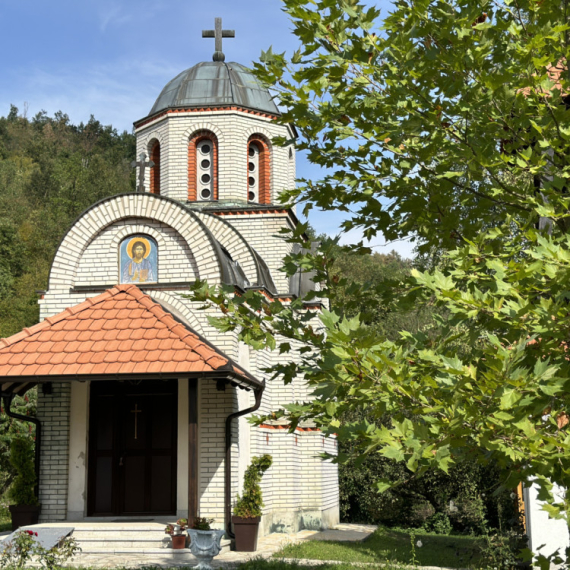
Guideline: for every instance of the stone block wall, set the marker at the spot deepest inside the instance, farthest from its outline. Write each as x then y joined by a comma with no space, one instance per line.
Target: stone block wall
262,232
99,263
232,128
213,409
54,414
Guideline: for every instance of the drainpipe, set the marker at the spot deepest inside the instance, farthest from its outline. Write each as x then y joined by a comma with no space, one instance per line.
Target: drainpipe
37,447
228,465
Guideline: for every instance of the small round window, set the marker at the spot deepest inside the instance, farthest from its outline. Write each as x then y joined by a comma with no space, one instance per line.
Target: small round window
251,180
205,149
205,178
205,193
251,196
205,164
251,166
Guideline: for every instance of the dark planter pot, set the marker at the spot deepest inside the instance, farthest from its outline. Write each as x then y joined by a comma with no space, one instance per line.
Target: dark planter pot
178,541
24,515
246,533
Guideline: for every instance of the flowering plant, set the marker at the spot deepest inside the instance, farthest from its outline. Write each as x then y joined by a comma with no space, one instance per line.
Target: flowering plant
176,529
19,551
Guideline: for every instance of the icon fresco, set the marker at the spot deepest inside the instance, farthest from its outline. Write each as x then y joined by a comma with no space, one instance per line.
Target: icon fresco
138,260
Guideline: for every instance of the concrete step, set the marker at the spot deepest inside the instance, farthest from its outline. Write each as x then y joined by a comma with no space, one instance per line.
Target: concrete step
138,548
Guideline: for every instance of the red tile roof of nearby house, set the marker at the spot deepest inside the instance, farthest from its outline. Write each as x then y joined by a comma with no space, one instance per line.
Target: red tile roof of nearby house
121,331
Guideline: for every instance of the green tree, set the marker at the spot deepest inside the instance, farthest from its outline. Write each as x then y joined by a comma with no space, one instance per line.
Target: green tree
50,171
446,123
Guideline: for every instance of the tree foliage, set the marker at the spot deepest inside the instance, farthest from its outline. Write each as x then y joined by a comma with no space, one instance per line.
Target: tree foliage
50,171
249,505
22,460
447,123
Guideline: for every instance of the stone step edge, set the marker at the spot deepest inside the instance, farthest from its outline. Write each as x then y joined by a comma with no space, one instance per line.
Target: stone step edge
116,529
162,551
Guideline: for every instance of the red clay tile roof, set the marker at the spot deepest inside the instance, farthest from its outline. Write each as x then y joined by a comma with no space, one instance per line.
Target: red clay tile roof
121,331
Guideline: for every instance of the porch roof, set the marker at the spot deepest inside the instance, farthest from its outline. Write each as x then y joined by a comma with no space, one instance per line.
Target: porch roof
120,334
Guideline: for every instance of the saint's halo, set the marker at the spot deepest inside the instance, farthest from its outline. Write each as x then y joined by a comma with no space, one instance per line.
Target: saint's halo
133,241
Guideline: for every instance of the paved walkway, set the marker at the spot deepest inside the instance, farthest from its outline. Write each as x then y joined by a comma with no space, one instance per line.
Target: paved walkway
267,546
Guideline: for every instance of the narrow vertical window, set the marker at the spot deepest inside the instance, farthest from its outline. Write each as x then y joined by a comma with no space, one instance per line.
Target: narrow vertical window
155,171
258,170
253,173
203,167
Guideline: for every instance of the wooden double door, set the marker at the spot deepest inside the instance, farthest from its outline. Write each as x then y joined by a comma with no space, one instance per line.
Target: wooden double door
132,448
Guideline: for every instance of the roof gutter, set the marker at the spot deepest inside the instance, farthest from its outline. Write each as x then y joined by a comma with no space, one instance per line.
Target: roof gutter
228,463
8,398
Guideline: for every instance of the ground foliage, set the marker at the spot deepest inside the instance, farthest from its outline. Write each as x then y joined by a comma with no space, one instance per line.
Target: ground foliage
445,122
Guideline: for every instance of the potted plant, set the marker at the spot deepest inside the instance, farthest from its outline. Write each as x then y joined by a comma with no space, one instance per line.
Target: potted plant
205,542
247,511
176,532
26,509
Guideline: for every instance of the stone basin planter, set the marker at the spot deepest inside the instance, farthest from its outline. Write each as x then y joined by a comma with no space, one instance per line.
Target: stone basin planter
204,545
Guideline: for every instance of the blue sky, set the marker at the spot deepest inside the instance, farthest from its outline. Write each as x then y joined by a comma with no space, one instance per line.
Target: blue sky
112,59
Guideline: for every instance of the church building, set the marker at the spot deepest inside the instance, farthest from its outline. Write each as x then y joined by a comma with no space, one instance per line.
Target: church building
142,404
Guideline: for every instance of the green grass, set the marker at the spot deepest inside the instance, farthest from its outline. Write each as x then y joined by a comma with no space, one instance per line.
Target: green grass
390,545
260,564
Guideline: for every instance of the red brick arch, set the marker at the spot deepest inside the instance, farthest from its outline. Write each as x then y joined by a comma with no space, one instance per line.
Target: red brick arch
264,167
192,181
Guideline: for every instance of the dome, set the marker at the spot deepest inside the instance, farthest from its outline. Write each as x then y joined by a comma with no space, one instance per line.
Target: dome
217,84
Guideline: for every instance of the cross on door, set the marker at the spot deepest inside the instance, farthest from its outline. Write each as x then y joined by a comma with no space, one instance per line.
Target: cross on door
136,411
218,34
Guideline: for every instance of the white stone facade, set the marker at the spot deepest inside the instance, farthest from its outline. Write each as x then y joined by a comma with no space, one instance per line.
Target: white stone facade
232,129
300,489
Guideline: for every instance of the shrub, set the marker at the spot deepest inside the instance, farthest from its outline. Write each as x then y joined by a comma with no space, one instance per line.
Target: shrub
470,515
438,523
503,551
250,504
420,512
21,458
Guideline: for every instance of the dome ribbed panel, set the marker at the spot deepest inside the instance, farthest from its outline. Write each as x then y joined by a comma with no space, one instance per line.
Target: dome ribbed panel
215,84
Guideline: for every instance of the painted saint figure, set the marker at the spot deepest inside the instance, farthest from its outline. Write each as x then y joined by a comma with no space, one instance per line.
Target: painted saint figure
138,269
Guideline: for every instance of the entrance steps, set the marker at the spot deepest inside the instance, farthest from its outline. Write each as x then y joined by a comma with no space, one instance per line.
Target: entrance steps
108,539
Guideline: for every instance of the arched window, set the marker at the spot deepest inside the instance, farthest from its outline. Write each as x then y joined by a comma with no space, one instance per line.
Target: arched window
154,154
203,167
258,170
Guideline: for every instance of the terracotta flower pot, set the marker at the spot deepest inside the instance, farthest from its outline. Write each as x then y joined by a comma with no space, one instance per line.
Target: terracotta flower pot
178,541
246,533
24,515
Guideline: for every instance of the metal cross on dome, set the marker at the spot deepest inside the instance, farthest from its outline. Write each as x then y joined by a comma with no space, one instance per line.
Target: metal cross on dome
218,33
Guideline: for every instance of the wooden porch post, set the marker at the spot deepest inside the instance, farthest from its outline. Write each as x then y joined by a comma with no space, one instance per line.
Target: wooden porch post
192,450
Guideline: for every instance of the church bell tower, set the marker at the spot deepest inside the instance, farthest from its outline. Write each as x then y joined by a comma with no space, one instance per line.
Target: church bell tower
209,136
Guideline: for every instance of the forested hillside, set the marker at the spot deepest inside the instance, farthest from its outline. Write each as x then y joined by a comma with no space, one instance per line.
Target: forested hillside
50,171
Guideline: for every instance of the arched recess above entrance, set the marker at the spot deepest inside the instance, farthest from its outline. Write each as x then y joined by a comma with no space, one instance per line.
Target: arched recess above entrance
235,243
145,207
